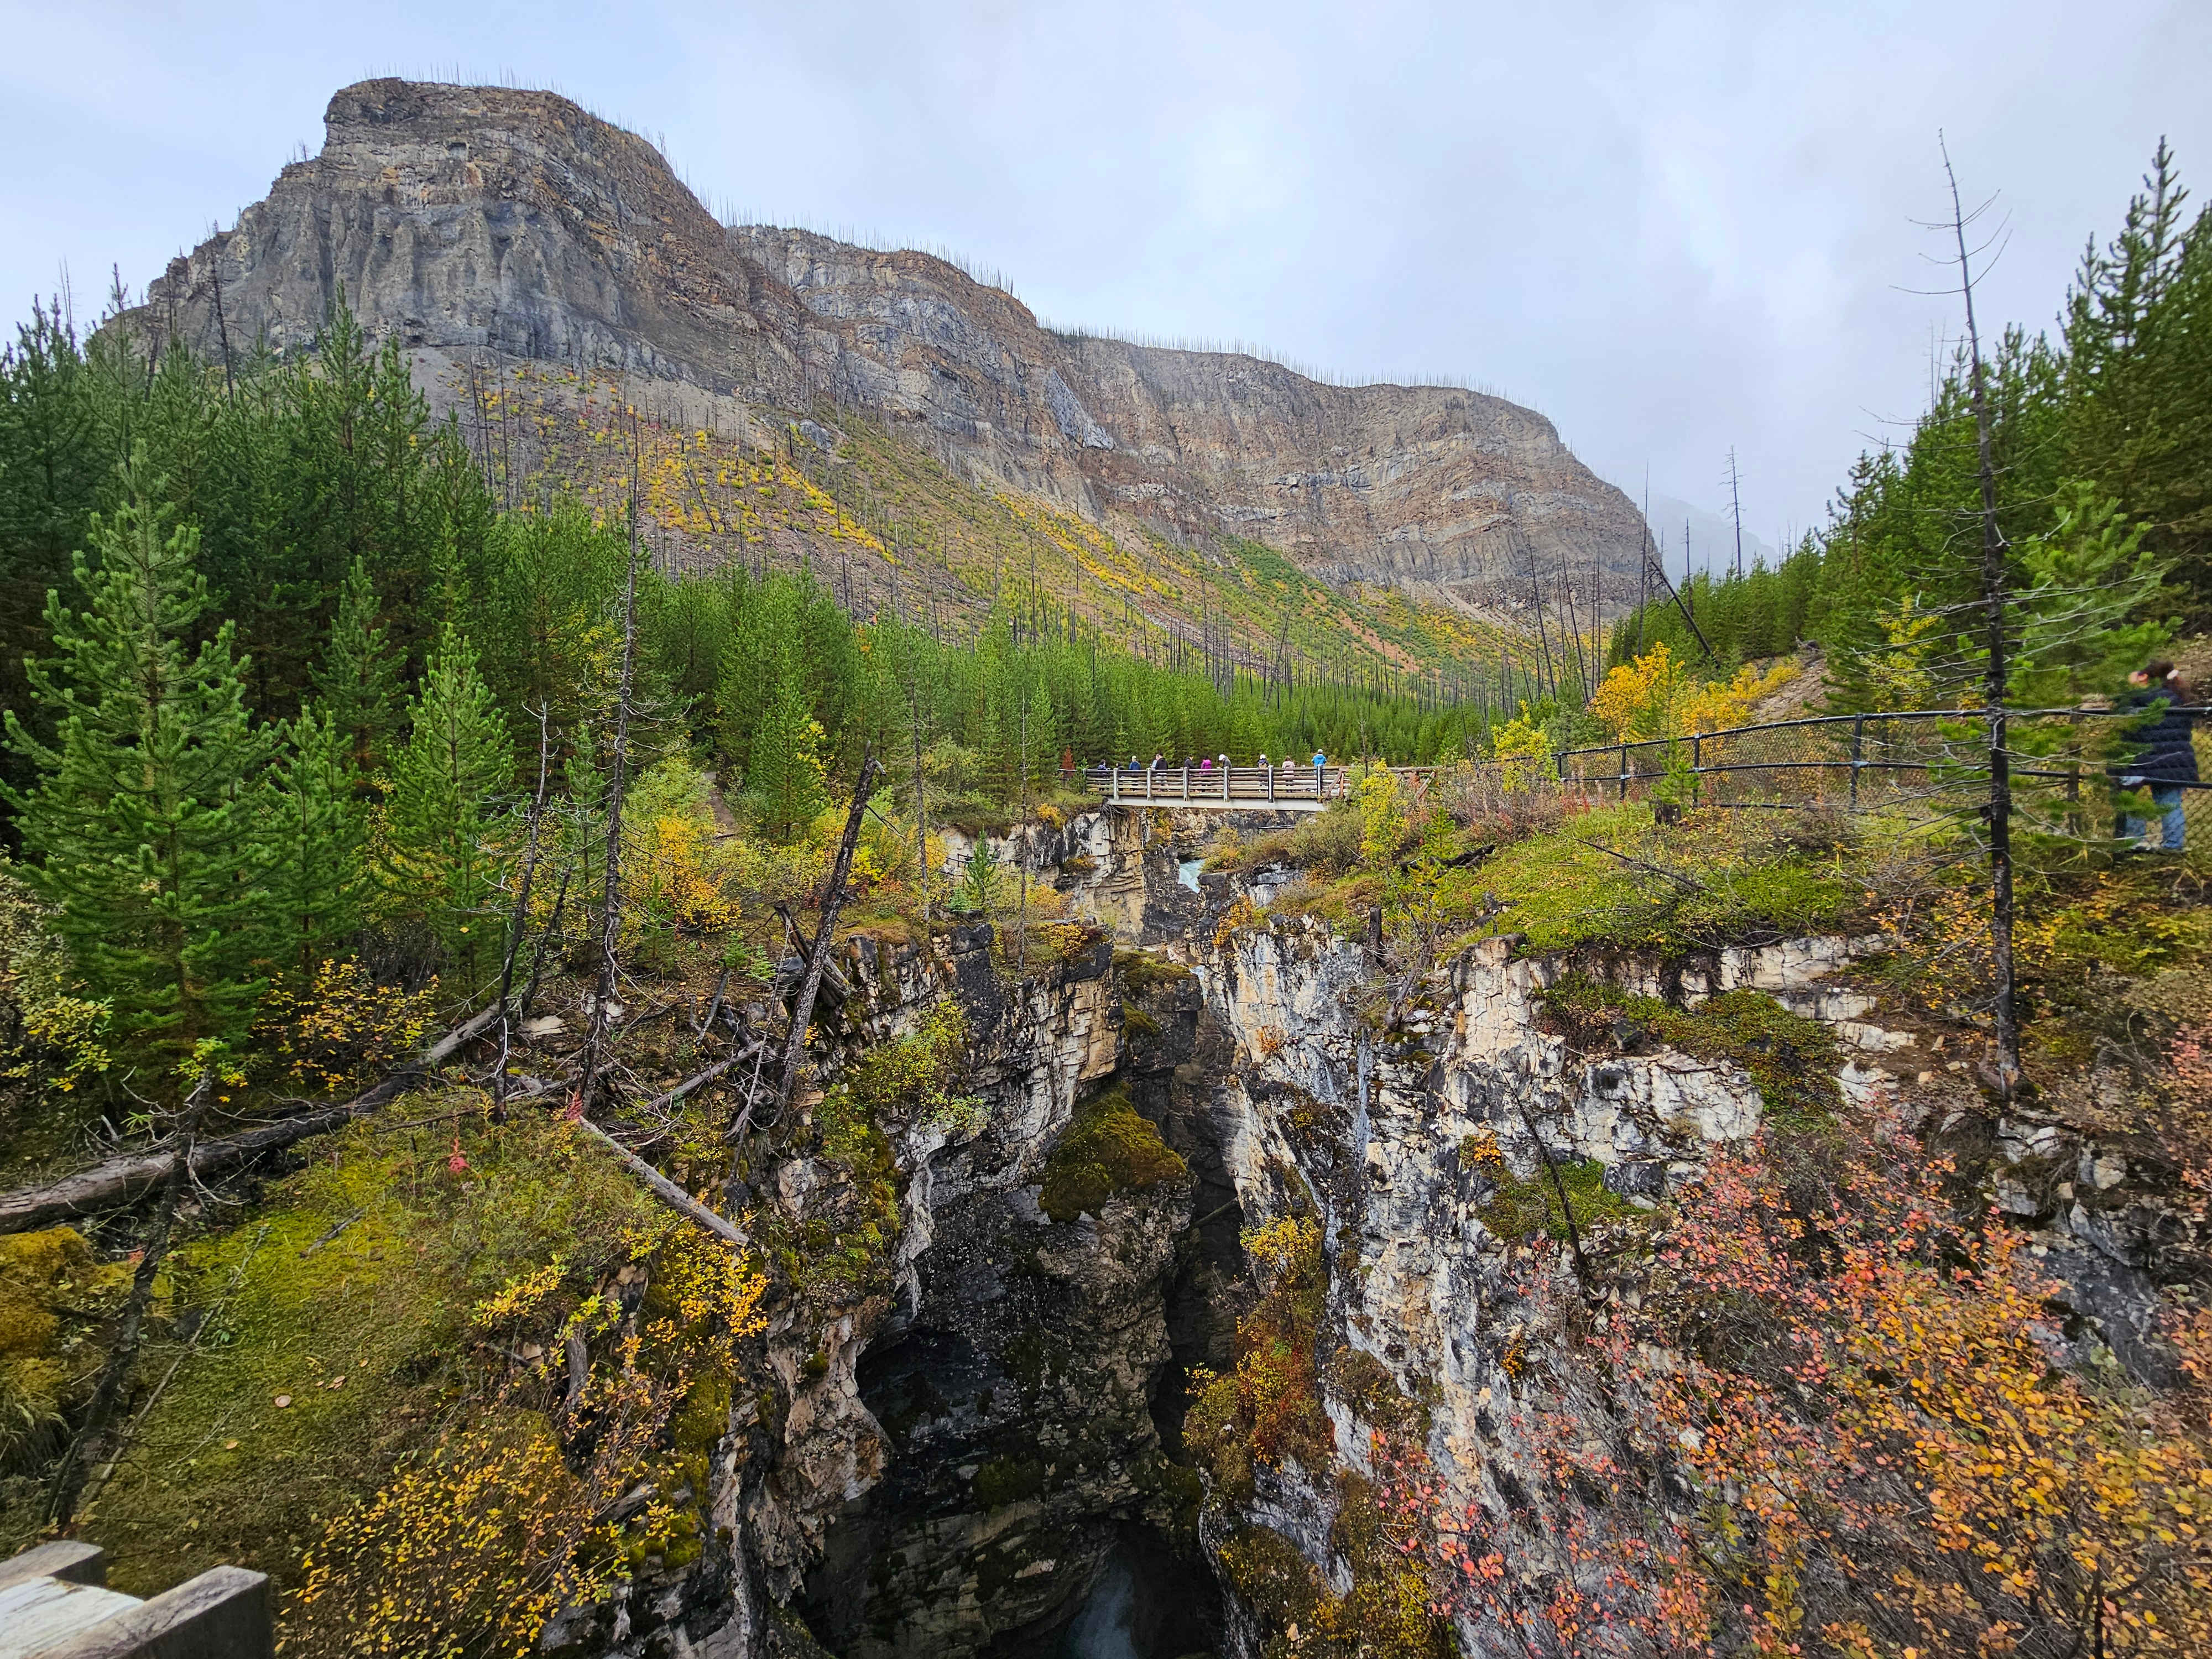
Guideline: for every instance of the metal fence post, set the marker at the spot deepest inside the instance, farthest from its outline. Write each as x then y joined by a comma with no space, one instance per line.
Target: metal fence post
1624,771
1858,745
1697,769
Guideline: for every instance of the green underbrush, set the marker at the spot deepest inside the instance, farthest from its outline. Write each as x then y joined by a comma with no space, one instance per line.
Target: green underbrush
309,1347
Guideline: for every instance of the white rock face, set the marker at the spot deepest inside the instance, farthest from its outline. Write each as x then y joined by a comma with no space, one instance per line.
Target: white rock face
1416,1280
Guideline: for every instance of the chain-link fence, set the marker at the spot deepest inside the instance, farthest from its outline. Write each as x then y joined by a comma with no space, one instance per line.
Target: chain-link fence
2065,764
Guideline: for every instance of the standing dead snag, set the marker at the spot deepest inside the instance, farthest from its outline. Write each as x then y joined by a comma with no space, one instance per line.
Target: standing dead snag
610,918
521,920
818,956
115,1377
1996,672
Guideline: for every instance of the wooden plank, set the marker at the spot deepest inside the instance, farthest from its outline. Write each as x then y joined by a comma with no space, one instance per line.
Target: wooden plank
222,1615
38,1614
70,1559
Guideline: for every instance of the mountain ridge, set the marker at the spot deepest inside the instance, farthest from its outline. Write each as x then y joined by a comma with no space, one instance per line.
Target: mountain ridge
513,223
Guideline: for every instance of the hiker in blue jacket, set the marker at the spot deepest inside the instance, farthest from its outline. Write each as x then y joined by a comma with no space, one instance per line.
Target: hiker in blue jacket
2164,759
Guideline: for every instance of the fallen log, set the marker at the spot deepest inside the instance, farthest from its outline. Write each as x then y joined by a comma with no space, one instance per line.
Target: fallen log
703,1078
664,1190
122,1180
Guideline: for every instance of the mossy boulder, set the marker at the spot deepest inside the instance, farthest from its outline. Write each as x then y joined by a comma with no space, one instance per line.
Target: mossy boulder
1108,1148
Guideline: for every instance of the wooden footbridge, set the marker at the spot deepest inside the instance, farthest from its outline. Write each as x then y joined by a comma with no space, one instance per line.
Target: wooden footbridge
1219,788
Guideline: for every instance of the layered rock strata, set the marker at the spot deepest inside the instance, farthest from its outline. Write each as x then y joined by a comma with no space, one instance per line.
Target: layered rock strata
495,220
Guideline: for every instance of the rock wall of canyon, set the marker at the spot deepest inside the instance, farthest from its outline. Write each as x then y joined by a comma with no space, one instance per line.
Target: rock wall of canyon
460,219
991,1453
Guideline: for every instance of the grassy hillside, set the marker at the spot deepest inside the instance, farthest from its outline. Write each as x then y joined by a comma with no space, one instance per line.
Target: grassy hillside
877,516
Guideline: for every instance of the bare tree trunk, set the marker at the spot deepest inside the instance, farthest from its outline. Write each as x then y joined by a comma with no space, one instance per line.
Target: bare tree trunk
818,956
122,1180
611,920
1735,508
921,805
115,1375
1994,678
521,918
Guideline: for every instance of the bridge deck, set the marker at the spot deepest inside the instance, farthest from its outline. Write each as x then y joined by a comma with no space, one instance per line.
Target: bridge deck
1220,789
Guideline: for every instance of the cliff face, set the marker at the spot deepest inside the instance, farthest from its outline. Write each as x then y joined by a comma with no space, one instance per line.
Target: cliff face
486,219
993,1457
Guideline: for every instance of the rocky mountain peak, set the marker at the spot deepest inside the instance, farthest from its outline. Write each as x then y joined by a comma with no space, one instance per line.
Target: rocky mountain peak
513,222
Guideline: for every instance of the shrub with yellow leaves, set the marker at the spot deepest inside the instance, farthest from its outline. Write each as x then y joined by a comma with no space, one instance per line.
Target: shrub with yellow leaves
340,1027
678,875
1522,750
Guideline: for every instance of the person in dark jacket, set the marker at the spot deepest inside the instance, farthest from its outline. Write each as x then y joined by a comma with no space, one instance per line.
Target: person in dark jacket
2165,760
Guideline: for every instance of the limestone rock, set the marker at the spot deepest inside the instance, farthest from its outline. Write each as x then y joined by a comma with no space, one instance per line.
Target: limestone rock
501,221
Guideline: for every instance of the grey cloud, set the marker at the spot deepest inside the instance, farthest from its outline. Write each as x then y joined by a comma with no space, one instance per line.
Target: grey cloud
1672,229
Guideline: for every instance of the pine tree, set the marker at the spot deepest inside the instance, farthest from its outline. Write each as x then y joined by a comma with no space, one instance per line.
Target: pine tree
444,849
143,815
316,840
787,780
359,679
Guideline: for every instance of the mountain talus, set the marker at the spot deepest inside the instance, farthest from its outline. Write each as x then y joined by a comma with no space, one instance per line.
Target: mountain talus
510,221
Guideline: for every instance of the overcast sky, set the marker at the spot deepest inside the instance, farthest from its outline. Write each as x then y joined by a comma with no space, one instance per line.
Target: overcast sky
1672,229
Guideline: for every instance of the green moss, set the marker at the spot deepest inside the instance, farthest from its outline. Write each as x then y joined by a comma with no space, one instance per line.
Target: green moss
1519,1209
1137,1022
912,1076
1791,1060
1272,1577
349,1297
1179,1489
1140,971
1364,1382
1005,1480
1108,1148
55,1296
1597,881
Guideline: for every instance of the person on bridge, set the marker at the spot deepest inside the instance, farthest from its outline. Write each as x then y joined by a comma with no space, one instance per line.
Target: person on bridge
1157,758
1263,759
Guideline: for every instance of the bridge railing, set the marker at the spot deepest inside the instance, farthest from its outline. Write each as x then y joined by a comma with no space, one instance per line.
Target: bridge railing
1179,785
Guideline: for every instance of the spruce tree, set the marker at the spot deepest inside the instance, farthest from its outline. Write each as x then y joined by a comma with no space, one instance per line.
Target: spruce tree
359,677
316,842
444,852
143,815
